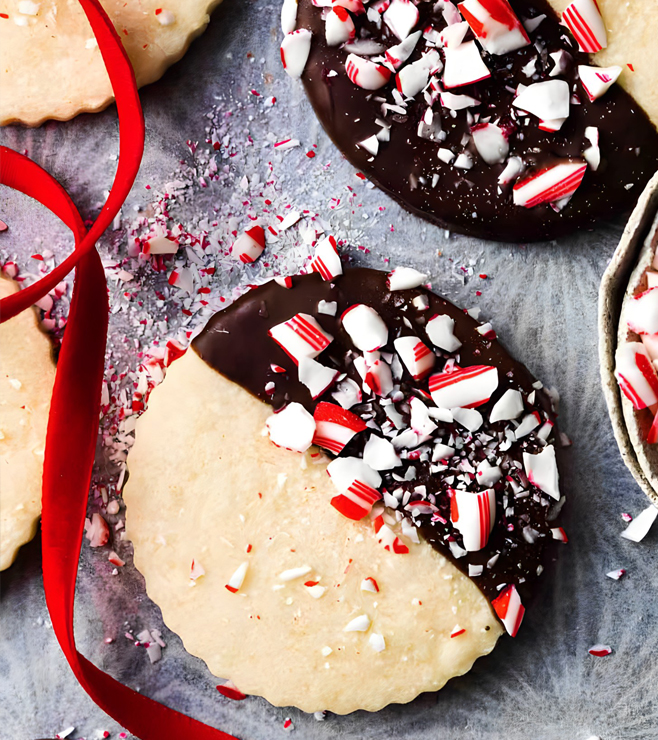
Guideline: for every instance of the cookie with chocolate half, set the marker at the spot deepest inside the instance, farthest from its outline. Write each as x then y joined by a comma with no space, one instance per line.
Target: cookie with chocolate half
50,63
346,482
489,118
27,374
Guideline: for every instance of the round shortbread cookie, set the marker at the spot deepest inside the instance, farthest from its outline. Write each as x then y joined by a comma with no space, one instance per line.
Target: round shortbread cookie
27,373
206,487
50,63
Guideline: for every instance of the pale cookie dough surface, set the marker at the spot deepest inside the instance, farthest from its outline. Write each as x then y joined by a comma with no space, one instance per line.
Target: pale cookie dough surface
27,374
632,27
50,63
196,471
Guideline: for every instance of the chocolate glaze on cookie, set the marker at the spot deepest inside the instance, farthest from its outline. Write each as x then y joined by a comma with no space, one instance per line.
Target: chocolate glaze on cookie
471,201
236,343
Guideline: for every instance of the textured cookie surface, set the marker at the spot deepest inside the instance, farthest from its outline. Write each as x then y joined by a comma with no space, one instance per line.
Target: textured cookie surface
50,63
205,485
26,380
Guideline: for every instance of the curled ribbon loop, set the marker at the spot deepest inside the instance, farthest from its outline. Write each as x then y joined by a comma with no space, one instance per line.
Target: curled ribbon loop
75,406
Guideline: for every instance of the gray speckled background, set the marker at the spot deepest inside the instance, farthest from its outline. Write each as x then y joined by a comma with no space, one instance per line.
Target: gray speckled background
542,300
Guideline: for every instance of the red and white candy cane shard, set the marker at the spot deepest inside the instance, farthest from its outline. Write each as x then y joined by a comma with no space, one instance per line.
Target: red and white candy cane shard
369,584
366,74
549,100
301,336
639,527
401,16
509,609
636,375
365,326
289,16
292,428
552,125
417,357
230,691
160,245
284,282
549,185
404,278
397,55
358,484
237,579
295,49
335,426
528,423
642,312
249,246
378,378
440,330
598,80
583,19
466,387
495,24
542,471
464,66
509,406
412,78
387,537
491,142
457,630
600,651
473,516
354,6
347,393
557,533
326,259
316,377
338,26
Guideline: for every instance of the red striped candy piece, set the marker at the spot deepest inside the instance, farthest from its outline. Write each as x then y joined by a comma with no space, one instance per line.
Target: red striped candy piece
464,66
557,533
230,691
550,185
397,55
316,377
339,26
583,19
404,278
369,584
249,246
642,315
295,49
237,579
417,357
509,609
376,375
301,336
600,651
495,24
528,423
366,74
357,483
598,80
292,428
466,387
365,326
401,16
284,282
473,515
335,426
387,537
289,16
542,471
636,375
457,630
326,259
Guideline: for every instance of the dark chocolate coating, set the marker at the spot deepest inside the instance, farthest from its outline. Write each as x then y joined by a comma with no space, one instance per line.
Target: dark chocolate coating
468,201
235,342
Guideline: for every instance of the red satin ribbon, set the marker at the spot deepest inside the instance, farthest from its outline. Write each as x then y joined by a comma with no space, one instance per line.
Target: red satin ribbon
75,406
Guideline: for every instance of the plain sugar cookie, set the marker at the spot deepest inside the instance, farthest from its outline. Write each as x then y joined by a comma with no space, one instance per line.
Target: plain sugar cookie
27,374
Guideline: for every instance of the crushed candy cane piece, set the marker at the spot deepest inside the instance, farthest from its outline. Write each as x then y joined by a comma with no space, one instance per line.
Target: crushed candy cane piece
358,624
616,574
316,377
491,142
326,259
377,642
301,336
292,428
401,16
547,100
642,312
600,651
160,245
97,531
465,388
457,630
509,609
229,690
293,574
237,579
380,454
248,247
440,330
289,16
583,19
464,66
473,515
636,375
365,73
598,80
335,426
549,185
369,584
404,278
196,570
495,25
638,529
295,49
542,471
357,483
338,26
417,357
397,55
365,327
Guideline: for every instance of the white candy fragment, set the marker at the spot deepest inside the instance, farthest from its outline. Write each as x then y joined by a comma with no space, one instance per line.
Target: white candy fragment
452,101
542,472
289,16
377,642
292,427
161,245
249,246
509,609
401,16
380,454
440,330
583,19
365,327
371,145
295,49
513,169
598,80
453,35
347,393
404,278
316,591
642,314
326,259
358,624
509,406
528,423
339,26
488,475
413,78
315,376
592,155
549,185
495,25
237,579
397,55
636,375
365,73
638,529
420,421
357,483
300,336
473,515
293,573
417,357
547,100
464,66
471,419
490,142
466,387
165,17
